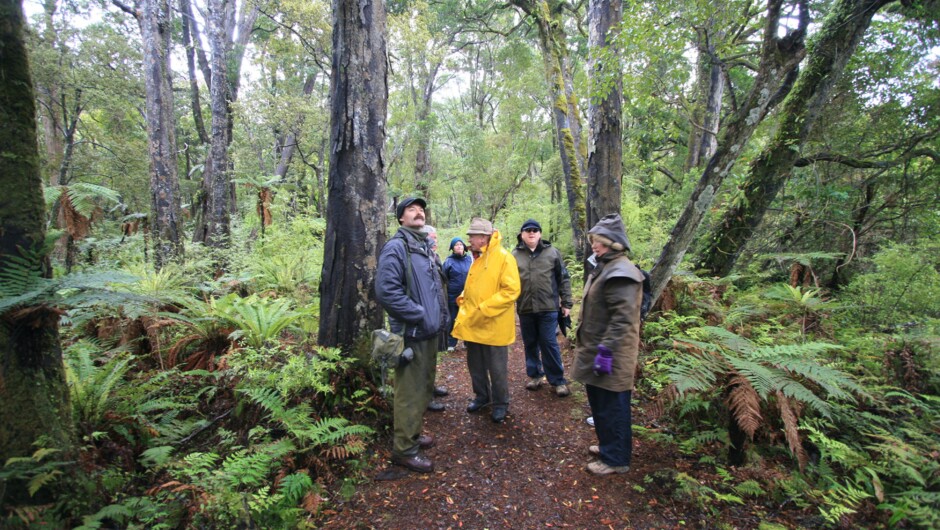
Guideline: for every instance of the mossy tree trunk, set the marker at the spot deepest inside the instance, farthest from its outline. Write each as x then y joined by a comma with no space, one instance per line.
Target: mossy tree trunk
605,153
356,213
34,404
547,16
779,56
829,52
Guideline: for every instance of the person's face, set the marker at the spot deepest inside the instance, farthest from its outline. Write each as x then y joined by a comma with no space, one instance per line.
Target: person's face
459,248
531,236
433,239
478,241
413,217
598,248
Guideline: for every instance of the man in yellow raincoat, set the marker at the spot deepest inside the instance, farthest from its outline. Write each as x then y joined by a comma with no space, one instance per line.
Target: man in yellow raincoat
486,320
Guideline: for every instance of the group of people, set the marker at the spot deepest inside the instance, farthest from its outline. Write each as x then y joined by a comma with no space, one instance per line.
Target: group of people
471,296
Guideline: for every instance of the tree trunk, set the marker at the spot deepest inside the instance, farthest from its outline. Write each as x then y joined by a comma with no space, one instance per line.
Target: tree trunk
605,152
706,113
289,143
186,15
34,404
831,49
553,44
779,56
356,214
217,196
155,29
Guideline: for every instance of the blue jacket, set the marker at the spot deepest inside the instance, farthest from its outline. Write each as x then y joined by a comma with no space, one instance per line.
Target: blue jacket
421,314
455,270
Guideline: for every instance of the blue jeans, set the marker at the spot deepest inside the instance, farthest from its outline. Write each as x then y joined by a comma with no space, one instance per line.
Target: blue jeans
451,341
538,335
613,424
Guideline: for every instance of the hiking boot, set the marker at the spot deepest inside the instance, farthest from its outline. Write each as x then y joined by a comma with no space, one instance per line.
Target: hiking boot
476,405
600,468
562,391
417,462
594,450
436,406
499,414
534,383
450,349
440,391
425,441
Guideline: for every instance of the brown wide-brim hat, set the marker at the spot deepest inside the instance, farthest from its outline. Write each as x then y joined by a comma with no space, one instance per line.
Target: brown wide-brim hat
478,225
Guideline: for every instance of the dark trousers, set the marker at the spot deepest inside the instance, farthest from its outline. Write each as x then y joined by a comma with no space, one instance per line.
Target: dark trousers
414,384
488,373
451,341
613,424
538,335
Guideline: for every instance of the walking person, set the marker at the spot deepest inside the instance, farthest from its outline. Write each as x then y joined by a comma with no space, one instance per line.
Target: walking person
486,321
546,290
456,267
607,344
439,391
408,286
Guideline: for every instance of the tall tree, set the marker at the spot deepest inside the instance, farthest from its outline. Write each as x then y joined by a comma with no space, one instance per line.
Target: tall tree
605,152
228,37
155,29
779,58
356,218
547,15
829,52
34,403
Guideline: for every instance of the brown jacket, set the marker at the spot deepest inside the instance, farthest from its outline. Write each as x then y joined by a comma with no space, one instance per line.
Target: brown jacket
610,315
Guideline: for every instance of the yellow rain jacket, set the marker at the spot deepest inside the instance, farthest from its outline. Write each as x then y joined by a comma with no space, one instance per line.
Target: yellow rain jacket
486,314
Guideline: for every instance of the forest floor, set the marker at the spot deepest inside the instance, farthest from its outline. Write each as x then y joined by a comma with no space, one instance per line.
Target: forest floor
529,472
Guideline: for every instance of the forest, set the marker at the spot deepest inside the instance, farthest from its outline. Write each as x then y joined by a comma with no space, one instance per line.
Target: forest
194,195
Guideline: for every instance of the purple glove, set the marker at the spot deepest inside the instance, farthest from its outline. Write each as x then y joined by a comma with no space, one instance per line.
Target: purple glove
603,361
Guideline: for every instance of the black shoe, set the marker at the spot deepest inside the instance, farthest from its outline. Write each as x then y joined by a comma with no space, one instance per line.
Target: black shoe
476,405
417,462
426,441
440,391
436,406
499,414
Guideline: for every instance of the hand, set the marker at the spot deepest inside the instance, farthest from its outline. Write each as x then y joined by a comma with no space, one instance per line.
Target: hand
565,311
603,361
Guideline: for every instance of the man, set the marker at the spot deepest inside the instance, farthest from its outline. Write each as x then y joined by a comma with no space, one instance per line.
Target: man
408,286
439,391
545,281
485,320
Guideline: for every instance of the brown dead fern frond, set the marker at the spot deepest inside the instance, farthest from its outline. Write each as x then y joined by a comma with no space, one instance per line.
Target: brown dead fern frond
791,429
657,407
744,403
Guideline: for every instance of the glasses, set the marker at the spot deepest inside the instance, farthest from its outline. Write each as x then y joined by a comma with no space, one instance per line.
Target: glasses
531,230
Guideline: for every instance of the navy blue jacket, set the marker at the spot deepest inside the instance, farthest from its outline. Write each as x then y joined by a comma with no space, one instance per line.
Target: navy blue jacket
455,270
422,314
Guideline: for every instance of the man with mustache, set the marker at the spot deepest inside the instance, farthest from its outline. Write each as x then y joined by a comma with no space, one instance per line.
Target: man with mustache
408,286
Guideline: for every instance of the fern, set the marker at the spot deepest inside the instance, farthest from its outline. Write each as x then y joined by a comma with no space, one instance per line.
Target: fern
294,486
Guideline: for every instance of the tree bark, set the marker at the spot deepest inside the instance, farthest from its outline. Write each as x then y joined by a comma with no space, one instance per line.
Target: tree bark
155,29
34,404
605,154
356,213
553,44
837,40
189,30
779,56
706,113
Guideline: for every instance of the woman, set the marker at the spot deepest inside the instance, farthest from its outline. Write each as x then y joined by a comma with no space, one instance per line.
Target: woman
607,343
456,267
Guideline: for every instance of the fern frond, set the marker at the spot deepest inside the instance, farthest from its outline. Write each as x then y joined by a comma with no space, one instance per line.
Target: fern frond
791,430
744,404
731,341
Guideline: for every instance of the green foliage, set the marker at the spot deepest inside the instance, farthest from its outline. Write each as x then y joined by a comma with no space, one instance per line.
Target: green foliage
258,321
92,386
37,470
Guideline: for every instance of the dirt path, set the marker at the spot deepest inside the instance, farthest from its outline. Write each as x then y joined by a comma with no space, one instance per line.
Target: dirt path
526,473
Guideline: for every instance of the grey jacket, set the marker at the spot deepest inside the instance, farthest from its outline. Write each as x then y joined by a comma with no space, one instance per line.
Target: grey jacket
545,279
421,314
610,315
